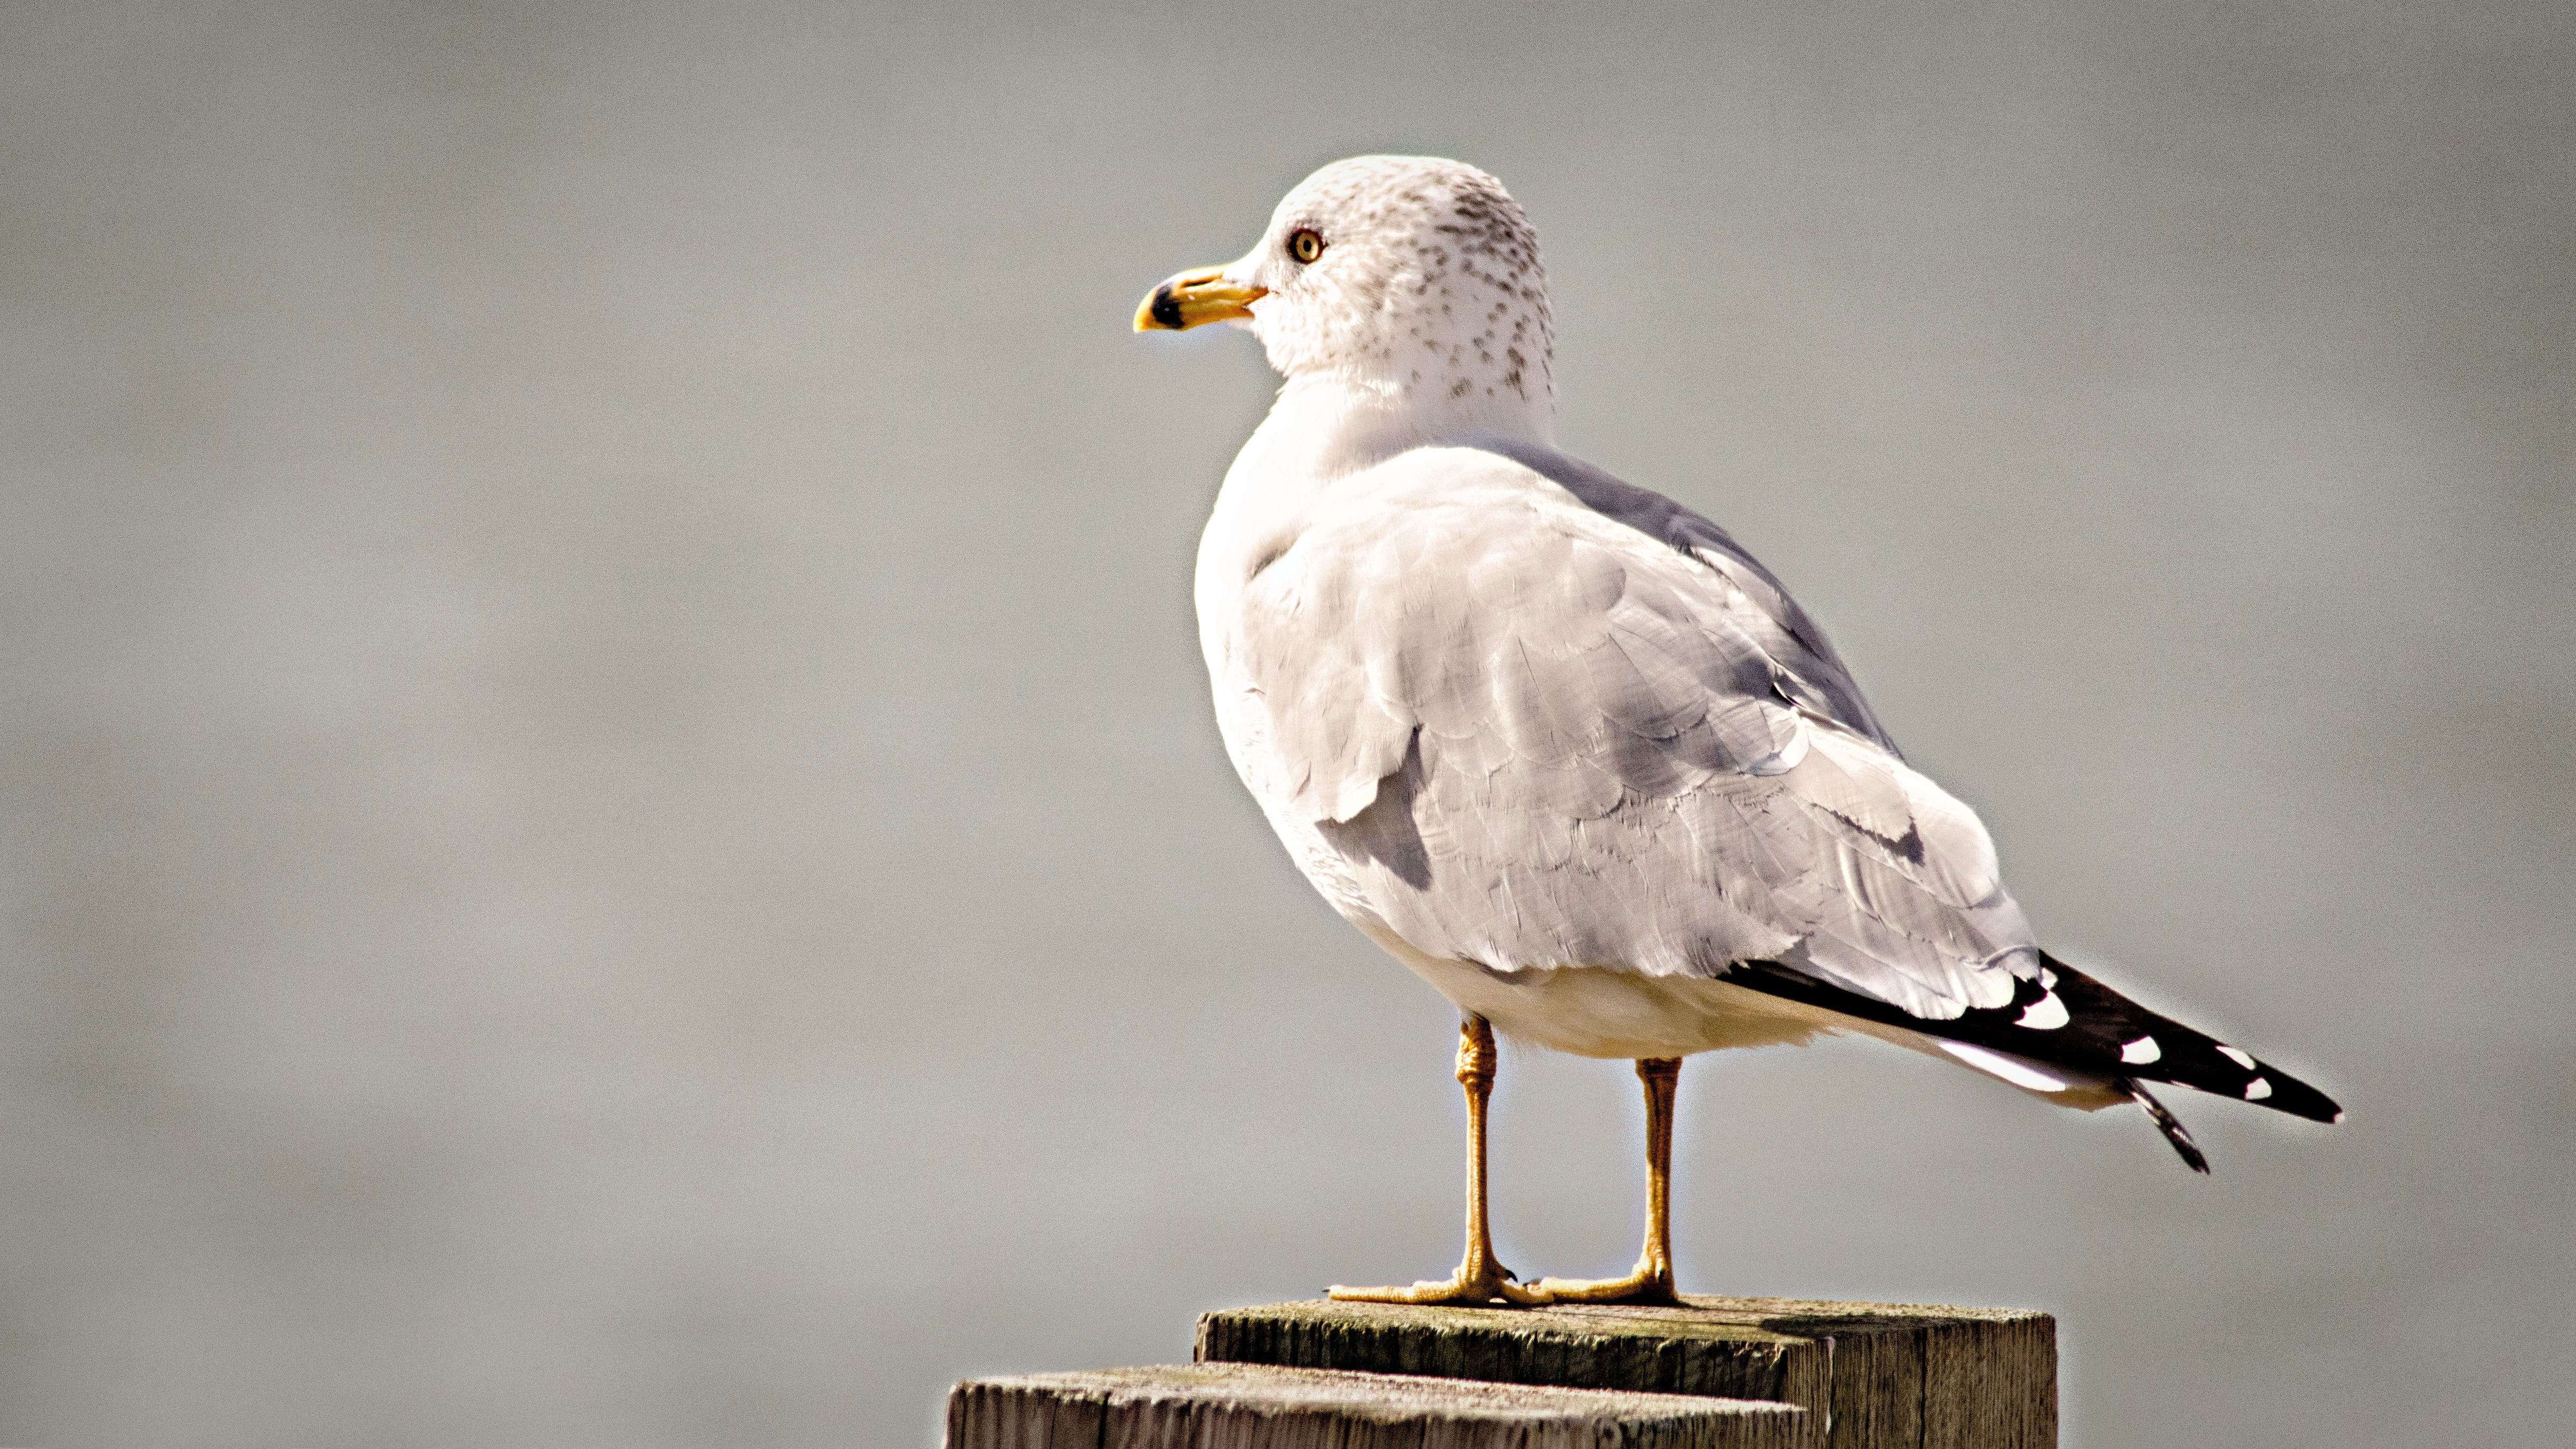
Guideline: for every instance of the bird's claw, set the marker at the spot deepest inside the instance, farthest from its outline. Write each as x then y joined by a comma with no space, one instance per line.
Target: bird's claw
1650,1284
1473,1285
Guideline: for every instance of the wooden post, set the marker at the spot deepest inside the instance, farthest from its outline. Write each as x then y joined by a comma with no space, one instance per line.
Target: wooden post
1192,1406
1869,1374
1717,1373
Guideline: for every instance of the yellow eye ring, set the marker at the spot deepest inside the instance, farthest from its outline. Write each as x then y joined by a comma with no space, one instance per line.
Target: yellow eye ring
1305,244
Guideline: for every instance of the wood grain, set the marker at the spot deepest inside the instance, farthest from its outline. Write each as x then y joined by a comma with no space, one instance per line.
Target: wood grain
1257,1406
1873,1375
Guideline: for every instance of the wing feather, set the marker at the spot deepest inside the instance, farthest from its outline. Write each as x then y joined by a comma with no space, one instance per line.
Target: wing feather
1539,718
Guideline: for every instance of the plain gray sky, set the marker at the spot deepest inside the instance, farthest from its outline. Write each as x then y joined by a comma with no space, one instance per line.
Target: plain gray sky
612,830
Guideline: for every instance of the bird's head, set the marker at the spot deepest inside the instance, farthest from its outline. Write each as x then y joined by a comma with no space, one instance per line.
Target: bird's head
1412,277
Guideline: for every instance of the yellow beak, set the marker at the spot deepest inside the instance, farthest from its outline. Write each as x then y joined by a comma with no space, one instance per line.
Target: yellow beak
1196,297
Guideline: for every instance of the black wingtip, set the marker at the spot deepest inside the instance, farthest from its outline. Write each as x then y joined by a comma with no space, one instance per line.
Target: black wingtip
2158,1048
2063,1017
2170,1125
2297,1098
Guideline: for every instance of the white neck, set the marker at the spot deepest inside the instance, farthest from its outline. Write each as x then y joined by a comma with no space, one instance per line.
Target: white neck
1328,425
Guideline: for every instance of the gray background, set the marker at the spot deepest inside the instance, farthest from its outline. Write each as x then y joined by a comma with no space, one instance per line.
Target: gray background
612,834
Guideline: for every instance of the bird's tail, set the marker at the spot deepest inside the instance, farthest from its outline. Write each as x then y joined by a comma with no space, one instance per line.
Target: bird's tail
2170,1125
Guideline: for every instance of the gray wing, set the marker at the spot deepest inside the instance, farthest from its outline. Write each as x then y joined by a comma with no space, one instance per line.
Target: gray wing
1542,725
1787,632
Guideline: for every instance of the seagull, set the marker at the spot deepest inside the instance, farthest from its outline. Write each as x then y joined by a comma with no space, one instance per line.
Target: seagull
1561,745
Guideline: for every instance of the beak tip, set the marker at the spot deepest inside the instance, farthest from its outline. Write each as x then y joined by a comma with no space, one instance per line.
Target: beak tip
1160,311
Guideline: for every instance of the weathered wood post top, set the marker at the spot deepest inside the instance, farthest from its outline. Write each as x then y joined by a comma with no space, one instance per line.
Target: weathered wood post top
1867,1374
1260,1406
1715,1373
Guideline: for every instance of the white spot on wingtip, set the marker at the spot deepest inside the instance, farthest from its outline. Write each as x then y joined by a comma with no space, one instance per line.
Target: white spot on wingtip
2337,1117
2142,1051
2233,1055
2257,1089
2048,978
2046,1014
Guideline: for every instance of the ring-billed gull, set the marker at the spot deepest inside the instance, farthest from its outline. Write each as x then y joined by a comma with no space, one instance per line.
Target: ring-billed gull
1563,747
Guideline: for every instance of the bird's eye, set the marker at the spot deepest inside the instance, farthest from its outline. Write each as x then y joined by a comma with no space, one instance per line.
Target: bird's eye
1305,244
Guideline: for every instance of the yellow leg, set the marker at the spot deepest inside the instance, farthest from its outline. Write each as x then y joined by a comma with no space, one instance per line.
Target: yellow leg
1652,1282
1479,1279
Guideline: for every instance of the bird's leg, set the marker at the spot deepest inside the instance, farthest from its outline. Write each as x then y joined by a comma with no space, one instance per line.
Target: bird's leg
1479,1279
1652,1282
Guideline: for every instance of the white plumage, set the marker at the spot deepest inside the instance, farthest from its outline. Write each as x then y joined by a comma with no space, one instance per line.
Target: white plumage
1502,724
1516,718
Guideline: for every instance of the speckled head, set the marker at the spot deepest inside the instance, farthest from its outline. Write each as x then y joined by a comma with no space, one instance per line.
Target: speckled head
1410,275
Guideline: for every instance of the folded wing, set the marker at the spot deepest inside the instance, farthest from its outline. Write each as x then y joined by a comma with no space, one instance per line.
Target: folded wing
1545,719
